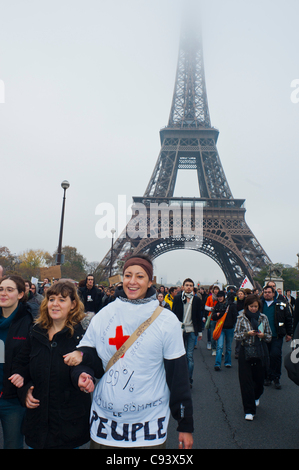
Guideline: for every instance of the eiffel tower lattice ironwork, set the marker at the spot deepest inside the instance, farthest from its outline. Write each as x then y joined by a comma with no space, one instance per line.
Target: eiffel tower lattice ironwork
189,142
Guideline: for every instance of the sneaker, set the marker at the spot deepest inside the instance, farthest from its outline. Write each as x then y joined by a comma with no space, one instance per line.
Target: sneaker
209,346
217,368
214,352
228,366
249,417
257,403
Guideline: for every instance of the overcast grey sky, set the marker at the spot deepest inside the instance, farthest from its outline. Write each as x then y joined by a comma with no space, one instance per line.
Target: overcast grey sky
88,86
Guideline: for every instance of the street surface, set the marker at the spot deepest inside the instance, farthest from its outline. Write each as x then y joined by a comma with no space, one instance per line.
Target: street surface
218,412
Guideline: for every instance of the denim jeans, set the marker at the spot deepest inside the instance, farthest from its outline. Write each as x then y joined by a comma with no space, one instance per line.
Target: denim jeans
189,341
11,418
228,335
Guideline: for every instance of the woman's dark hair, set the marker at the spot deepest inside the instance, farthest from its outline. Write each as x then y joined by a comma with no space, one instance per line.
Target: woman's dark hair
250,299
19,282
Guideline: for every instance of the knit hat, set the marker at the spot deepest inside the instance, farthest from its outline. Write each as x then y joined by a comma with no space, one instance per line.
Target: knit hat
136,261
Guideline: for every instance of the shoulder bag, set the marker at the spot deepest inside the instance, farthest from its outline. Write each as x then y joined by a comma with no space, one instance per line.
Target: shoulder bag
219,325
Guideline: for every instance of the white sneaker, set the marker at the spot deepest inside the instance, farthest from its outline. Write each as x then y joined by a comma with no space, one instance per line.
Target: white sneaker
214,352
257,403
249,417
209,346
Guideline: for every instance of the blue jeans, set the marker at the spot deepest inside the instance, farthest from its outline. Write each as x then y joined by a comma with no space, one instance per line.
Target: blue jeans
189,341
228,335
11,418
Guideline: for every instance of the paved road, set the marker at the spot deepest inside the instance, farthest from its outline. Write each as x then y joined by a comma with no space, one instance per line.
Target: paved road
219,416
218,411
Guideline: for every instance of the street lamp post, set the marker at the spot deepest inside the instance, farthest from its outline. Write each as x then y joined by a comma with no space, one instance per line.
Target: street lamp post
65,185
111,258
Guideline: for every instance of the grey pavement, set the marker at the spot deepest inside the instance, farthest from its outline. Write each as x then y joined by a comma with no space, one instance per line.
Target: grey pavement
218,411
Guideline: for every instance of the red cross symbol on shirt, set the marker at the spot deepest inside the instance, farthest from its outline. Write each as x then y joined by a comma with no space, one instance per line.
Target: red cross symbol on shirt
119,339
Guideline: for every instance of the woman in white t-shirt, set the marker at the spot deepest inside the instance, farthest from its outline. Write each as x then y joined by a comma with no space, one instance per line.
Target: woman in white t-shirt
132,401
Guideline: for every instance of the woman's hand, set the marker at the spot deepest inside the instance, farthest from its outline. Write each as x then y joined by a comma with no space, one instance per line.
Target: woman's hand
17,380
260,335
73,359
85,383
31,402
185,440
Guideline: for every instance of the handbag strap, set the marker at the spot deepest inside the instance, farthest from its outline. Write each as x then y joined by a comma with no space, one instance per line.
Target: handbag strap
138,332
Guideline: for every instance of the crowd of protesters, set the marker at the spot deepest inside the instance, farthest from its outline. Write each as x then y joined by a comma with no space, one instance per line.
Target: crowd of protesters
59,389
258,321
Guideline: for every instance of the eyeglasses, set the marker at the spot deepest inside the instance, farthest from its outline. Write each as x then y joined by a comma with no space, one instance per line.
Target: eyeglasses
7,289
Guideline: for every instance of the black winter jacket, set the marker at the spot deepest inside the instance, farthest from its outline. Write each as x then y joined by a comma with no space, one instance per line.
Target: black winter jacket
17,335
62,419
91,298
231,317
178,310
283,317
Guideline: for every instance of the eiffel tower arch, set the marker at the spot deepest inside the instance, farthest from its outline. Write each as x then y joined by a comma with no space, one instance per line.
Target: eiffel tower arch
189,142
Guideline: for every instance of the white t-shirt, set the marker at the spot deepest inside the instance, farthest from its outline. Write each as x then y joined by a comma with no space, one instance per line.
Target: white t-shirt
130,405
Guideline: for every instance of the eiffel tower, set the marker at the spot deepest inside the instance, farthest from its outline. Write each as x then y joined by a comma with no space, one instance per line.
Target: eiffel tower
189,143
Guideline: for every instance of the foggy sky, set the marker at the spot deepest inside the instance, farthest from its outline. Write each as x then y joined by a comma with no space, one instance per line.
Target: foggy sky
88,86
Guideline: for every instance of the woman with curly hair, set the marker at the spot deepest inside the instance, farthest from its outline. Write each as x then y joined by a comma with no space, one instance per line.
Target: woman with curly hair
57,415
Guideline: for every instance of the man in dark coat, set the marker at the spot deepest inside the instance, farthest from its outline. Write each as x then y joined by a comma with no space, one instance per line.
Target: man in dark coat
281,324
188,309
91,296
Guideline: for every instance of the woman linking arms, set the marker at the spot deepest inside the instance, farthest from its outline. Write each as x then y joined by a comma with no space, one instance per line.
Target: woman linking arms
132,402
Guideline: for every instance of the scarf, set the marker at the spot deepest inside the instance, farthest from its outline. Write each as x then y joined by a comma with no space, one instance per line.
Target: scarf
253,318
149,297
4,327
185,296
261,347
